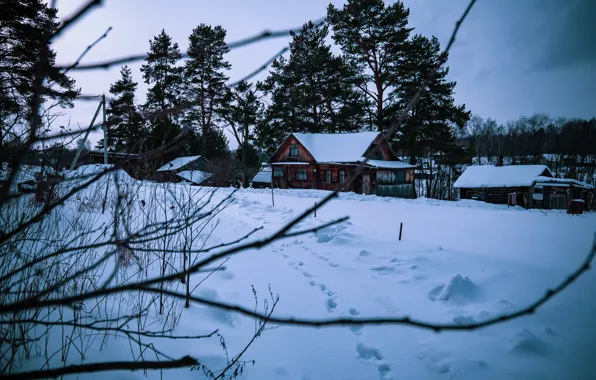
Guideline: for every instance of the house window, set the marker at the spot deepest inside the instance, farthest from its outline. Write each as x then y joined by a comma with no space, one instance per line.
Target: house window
293,150
342,176
301,175
278,172
328,176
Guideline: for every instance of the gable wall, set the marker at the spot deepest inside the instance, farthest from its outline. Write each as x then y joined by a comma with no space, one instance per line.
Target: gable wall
283,153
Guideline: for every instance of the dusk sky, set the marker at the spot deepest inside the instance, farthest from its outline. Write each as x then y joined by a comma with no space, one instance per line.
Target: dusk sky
511,58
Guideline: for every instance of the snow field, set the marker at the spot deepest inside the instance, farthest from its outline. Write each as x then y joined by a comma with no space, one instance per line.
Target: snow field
458,262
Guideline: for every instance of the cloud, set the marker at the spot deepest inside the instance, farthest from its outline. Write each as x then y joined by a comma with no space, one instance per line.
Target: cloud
572,42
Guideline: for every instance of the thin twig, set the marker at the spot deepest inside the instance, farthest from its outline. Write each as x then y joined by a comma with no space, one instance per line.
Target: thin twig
87,50
265,35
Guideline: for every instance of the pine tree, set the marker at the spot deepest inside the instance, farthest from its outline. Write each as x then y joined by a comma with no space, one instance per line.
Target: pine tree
25,26
164,77
205,78
429,128
312,91
244,113
127,132
373,37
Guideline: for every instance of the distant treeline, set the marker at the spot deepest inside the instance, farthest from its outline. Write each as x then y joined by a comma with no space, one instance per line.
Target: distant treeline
530,136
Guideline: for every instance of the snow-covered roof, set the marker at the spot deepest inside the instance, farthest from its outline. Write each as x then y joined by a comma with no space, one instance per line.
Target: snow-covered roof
387,164
194,176
178,163
264,176
501,176
548,181
337,147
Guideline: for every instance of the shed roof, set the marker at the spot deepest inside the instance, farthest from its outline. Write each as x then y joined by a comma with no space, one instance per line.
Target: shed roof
388,164
194,176
501,176
337,147
264,176
177,163
548,181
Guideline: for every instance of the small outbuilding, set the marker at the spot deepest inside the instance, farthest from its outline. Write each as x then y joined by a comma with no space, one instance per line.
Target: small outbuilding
529,186
194,169
263,178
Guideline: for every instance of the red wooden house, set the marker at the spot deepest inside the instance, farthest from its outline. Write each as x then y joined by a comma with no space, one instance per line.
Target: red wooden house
322,160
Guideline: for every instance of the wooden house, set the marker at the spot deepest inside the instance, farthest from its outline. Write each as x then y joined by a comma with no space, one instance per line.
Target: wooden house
324,160
195,169
532,186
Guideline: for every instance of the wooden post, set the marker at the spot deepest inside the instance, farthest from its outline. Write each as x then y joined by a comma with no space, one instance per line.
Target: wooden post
272,198
105,132
74,162
315,209
401,226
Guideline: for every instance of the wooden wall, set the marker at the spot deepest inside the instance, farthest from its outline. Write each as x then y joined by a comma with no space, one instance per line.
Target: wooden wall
283,153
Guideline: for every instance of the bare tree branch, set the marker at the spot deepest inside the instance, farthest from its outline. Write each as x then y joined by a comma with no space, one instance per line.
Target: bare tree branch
185,361
87,50
265,35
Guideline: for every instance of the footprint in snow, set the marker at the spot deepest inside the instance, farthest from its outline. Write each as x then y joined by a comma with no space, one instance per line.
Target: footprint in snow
284,255
300,263
312,283
308,275
331,304
372,354
353,312
323,287
334,265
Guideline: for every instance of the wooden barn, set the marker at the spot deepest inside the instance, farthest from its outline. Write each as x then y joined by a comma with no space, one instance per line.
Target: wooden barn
195,169
322,160
530,186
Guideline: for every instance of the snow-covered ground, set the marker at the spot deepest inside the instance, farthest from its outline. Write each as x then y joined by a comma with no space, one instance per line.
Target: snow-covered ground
457,262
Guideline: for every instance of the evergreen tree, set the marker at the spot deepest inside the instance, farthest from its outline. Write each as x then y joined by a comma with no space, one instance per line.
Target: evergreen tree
25,26
373,37
165,80
243,113
205,78
429,128
312,91
127,132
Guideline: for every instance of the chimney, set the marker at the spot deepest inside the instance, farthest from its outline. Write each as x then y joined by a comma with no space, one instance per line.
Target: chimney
500,160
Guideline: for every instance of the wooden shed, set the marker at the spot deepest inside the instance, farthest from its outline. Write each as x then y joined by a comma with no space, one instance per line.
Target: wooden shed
195,169
532,186
323,160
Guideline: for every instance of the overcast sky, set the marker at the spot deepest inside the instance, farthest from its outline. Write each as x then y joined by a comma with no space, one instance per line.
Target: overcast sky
511,58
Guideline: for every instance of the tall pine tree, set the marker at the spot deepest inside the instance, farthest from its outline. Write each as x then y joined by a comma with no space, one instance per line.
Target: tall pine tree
373,36
430,126
165,80
244,113
204,80
127,131
312,91
24,29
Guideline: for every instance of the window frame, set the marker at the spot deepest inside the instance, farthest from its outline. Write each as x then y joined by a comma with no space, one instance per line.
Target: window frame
342,176
294,152
299,176
328,176
278,171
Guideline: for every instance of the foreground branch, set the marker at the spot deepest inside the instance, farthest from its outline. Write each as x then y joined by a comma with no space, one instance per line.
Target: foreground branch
185,361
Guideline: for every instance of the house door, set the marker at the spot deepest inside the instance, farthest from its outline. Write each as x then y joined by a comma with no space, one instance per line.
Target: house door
557,202
366,184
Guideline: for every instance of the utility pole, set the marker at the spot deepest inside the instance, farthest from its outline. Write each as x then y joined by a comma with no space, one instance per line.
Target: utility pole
105,131
74,162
